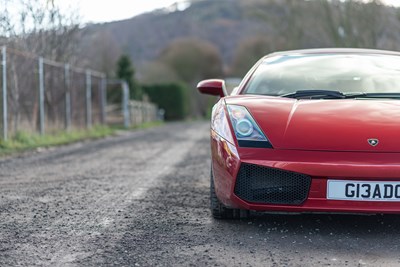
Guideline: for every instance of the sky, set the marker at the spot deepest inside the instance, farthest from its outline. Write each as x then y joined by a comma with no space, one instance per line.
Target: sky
110,10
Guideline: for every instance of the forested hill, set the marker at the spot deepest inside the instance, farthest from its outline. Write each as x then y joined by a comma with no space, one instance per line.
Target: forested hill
230,25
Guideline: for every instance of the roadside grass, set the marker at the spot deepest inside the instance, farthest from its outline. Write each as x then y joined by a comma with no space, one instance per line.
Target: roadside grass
23,141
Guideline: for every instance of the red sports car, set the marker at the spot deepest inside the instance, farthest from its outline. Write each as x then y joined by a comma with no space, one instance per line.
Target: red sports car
308,131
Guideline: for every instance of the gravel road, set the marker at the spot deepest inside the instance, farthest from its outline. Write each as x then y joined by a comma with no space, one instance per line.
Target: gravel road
141,199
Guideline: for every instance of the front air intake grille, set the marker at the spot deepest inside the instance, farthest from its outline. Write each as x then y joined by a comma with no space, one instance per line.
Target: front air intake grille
265,185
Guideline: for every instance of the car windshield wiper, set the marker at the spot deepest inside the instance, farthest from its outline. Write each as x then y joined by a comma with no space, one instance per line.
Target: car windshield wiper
315,94
330,94
374,95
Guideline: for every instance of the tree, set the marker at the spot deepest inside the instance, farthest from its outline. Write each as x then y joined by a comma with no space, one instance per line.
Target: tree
193,60
102,51
40,27
354,23
250,51
126,72
157,72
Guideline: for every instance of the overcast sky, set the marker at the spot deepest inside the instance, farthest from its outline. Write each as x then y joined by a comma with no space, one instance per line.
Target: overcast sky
109,10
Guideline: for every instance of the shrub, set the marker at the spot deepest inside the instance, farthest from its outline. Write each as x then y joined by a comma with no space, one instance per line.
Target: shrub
172,97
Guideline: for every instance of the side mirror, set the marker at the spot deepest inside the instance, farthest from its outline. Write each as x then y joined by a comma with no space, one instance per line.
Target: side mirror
212,87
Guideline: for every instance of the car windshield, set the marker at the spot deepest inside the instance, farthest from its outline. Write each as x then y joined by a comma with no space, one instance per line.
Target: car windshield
287,75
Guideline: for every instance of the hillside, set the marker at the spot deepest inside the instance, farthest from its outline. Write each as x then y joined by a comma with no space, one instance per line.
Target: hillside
223,23
228,23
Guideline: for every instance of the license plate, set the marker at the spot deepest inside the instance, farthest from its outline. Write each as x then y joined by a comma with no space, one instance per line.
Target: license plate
363,190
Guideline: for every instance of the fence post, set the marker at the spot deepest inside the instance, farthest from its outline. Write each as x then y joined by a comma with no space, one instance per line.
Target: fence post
125,104
67,78
5,116
88,99
41,97
103,99
143,113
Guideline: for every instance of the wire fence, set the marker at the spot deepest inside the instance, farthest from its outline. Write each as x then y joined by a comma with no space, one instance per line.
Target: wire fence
44,96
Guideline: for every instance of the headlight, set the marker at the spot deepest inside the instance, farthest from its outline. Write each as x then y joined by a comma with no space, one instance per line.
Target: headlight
244,128
247,132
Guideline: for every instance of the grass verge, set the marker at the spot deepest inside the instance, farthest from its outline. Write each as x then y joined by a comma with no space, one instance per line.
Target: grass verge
23,141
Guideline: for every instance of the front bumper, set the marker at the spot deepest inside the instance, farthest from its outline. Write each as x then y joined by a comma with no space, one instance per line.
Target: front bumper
320,166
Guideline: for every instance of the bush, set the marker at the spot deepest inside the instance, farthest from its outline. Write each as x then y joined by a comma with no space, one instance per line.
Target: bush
173,98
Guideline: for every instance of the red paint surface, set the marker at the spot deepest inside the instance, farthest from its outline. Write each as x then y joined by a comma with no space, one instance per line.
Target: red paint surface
321,166
328,125
212,87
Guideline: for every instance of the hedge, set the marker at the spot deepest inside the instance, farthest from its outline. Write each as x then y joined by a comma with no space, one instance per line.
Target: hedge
173,98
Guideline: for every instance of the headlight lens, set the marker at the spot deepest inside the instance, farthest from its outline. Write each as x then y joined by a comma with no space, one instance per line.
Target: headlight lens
247,132
244,128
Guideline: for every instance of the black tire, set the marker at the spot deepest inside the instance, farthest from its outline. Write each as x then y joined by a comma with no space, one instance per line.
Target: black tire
218,210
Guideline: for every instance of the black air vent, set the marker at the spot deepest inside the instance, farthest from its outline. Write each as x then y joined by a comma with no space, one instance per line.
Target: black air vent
265,185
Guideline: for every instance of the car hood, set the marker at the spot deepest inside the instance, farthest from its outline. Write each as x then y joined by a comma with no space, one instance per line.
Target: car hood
326,125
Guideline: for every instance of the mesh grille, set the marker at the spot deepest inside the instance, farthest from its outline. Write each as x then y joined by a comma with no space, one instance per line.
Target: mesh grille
271,186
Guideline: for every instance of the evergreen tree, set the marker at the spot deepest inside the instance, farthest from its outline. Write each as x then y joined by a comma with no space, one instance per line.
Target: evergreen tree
126,72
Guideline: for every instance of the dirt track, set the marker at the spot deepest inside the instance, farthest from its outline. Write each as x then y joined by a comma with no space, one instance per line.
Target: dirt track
141,199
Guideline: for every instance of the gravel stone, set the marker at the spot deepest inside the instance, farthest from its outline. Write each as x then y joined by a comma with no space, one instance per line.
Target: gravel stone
141,199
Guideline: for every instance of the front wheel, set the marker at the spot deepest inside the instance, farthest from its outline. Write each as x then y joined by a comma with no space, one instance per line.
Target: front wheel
218,210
